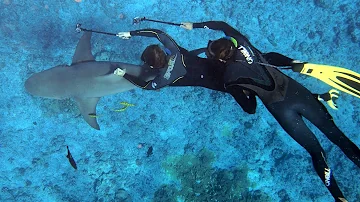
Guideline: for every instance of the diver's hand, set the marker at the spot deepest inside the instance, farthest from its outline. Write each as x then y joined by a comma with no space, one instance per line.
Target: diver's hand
124,35
120,72
187,25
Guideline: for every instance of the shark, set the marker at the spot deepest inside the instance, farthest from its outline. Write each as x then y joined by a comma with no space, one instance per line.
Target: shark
84,81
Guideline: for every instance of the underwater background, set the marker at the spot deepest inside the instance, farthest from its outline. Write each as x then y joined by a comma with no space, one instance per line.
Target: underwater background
205,148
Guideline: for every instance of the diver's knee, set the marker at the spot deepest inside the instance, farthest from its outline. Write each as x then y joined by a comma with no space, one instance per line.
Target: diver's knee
250,111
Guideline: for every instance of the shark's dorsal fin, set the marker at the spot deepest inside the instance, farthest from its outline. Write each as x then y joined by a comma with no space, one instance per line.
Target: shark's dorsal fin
87,108
83,49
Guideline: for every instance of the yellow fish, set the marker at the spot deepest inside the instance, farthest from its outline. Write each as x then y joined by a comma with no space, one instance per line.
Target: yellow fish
126,105
121,110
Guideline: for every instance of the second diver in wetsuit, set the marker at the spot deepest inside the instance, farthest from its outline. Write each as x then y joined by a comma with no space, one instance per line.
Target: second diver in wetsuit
287,100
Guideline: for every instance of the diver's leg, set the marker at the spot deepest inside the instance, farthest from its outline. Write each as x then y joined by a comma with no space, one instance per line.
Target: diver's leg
317,114
278,59
294,125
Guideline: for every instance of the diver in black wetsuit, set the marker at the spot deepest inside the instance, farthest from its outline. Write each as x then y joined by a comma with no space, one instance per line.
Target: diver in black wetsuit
288,101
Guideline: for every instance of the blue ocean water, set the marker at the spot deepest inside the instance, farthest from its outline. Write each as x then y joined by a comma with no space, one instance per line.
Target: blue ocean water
204,146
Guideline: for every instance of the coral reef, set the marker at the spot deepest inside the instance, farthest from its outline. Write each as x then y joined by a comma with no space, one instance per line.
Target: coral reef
201,182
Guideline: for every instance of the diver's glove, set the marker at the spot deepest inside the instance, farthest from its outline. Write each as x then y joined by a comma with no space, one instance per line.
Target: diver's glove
124,35
120,72
330,98
187,25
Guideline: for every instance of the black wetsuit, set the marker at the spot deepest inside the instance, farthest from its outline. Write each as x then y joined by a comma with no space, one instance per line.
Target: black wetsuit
287,100
188,70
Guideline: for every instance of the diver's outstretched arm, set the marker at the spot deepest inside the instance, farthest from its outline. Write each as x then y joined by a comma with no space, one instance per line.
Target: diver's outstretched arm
165,39
154,84
214,25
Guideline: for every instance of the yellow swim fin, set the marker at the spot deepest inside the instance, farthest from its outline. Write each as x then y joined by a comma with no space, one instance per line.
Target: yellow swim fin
330,98
340,78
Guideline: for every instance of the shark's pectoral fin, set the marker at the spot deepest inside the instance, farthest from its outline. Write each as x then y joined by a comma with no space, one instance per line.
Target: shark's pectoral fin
87,108
83,49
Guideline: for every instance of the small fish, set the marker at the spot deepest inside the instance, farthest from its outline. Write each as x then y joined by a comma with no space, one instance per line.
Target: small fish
126,105
121,110
149,151
71,159
93,115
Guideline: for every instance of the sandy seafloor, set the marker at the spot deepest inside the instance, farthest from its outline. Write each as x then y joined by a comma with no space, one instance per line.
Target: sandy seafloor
34,132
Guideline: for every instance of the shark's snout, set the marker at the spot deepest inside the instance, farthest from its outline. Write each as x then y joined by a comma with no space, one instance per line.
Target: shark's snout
31,85
43,85
47,83
36,86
